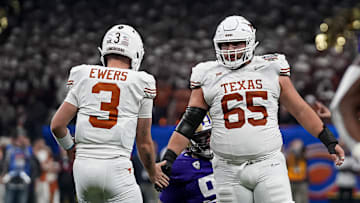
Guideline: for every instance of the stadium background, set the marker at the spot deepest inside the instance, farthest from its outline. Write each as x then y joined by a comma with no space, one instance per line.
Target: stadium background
41,40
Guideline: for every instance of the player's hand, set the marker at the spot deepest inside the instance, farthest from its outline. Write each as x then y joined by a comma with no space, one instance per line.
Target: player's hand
321,110
160,179
339,155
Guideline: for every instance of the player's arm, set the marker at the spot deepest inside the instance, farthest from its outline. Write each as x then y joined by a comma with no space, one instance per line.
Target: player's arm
60,120
197,107
145,145
193,116
349,109
307,117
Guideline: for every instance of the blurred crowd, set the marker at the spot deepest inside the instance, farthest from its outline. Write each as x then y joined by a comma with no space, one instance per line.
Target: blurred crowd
32,173
46,38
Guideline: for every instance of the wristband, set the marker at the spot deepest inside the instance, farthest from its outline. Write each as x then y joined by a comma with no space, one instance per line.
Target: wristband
66,142
328,139
170,156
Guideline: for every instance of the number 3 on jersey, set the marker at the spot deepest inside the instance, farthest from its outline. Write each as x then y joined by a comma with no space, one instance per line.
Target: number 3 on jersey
110,107
240,112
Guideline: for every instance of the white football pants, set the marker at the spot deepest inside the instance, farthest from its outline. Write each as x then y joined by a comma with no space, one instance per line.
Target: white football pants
105,180
264,181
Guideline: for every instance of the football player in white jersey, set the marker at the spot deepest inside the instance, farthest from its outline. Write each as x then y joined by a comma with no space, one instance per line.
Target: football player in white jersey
345,108
113,104
242,93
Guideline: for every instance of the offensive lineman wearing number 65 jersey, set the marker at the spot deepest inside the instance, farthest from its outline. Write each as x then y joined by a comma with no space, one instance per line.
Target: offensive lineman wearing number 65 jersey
113,104
242,93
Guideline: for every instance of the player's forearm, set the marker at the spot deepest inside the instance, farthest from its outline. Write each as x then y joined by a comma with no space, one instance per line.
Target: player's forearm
59,131
307,118
178,142
147,156
61,119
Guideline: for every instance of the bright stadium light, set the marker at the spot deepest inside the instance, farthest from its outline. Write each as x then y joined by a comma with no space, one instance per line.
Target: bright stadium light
340,41
356,24
324,27
321,46
320,38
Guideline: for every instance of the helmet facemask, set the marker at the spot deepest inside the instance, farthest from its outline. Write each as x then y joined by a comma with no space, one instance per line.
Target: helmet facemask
200,145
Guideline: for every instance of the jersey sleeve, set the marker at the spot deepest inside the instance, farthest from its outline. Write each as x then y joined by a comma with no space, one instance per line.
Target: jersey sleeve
283,65
280,63
149,86
146,106
73,86
196,78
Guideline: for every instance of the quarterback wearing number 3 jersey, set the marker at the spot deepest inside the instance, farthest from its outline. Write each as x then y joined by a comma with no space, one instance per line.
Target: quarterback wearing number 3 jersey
242,94
113,104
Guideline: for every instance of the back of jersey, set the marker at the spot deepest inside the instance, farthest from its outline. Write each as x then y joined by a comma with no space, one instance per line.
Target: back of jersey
109,103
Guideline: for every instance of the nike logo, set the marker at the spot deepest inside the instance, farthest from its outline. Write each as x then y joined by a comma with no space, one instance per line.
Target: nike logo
219,73
275,164
259,67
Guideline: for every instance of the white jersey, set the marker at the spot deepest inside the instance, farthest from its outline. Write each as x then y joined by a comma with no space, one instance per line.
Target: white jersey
109,101
243,105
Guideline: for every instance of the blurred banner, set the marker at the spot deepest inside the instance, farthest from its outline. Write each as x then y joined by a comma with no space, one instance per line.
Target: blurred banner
321,170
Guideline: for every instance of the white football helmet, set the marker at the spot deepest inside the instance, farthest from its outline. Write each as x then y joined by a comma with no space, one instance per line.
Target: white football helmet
235,29
200,143
123,40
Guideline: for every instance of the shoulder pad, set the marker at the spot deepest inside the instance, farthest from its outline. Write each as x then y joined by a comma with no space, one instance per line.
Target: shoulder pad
198,73
280,63
75,75
149,85
270,57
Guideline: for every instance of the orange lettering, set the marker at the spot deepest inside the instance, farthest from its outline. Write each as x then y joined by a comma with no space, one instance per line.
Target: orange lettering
116,75
109,75
258,84
101,74
251,84
224,85
232,86
124,76
241,83
92,71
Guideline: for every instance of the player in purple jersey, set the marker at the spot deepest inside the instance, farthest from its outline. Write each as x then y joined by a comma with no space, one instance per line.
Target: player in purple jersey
192,178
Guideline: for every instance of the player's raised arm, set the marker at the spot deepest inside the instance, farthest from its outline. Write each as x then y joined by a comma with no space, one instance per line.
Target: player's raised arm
307,117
